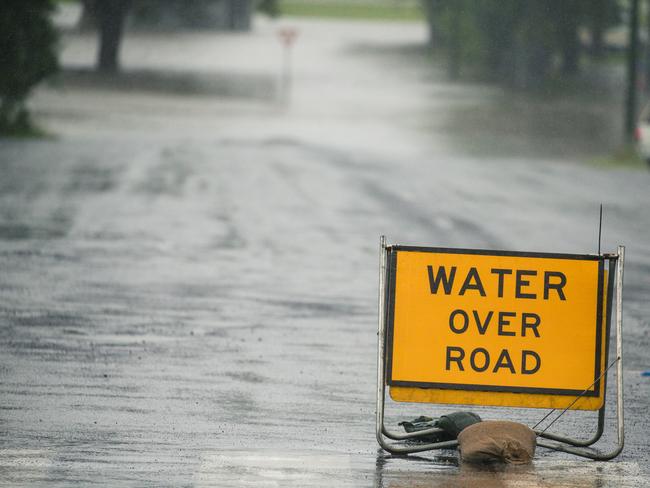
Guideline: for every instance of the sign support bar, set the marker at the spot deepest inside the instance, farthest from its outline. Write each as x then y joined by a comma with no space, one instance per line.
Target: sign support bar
381,429
564,444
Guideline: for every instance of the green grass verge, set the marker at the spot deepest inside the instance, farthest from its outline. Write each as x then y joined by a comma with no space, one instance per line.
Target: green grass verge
360,10
625,157
21,126
31,132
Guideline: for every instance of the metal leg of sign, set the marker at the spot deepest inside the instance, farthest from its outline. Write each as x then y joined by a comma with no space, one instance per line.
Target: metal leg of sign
578,447
578,442
400,436
381,429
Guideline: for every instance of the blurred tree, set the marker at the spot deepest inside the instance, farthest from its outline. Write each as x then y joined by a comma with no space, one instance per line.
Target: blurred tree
269,7
27,56
446,20
193,14
239,14
522,43
536,48
598,19
88,19
111,15
429,7
631,96
568,15
600,15
456,38
647,49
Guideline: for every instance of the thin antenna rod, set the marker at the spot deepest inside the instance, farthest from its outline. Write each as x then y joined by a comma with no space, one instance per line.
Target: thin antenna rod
600,226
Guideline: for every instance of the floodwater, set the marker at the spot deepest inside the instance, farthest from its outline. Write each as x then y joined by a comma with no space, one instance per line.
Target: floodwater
189,279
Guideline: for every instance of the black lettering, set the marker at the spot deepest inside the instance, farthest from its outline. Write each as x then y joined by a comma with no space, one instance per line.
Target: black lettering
524,363
458,359
452,322
555,286
504,322
486,359
521,283
529,320
504,361
501,273
482,327
477,285
441,276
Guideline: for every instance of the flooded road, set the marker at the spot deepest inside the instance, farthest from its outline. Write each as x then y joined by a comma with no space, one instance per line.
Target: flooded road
189,281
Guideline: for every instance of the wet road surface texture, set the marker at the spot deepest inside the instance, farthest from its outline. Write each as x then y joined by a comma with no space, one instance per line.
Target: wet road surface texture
189,281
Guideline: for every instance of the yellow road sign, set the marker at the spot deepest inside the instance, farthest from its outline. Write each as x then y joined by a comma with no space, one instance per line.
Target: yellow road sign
495,328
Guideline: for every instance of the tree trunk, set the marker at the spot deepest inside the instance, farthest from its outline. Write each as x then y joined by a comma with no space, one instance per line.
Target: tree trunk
598,28
570,52
429,11
568,37
88,20
455,40
240,14
632,55
111,15
647,49
532,53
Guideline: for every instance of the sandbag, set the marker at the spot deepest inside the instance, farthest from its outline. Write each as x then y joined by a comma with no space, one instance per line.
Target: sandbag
451,424
497,441
454,423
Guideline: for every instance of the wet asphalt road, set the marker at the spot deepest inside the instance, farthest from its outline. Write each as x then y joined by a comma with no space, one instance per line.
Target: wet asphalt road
189,281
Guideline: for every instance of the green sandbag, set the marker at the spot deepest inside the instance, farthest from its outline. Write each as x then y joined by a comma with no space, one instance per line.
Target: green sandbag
454,423
451,425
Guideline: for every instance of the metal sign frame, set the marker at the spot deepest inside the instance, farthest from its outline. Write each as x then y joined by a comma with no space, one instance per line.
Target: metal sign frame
578,447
